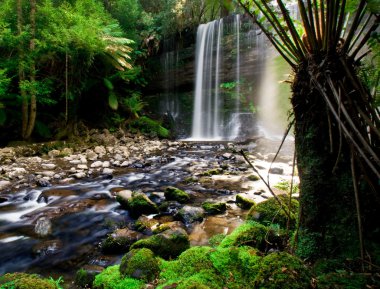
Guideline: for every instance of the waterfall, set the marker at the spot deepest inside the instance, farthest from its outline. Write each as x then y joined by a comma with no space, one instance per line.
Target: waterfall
231,81
207,104
169,62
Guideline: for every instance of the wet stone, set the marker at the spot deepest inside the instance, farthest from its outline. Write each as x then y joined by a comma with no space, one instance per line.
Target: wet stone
47,248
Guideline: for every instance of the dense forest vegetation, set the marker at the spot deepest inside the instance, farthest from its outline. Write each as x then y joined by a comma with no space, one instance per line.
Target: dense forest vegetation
63,62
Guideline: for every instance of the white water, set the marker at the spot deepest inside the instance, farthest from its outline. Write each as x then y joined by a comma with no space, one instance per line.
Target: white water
210,120
207,115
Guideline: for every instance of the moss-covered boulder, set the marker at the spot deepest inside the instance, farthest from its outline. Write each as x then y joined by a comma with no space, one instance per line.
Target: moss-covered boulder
168,244
214,208
253,178
26,281
255,235
137,204
149,126
111,278
120,241
212,172
85,276
192,269
175,194
236,265
146,225
244,202
270,211
282,270
206,267
140,264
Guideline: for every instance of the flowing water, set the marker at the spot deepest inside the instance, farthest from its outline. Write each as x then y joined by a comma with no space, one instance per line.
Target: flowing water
55,230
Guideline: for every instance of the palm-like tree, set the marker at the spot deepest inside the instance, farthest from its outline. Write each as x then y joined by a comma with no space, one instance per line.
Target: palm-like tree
336,122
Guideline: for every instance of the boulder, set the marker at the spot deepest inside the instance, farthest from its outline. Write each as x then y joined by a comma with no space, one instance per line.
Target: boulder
137,205
214,208
174,194
168,244
140,264
120,241
244,202
190,214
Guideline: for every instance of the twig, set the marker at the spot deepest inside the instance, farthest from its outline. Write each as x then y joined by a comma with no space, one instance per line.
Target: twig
270,189
356,191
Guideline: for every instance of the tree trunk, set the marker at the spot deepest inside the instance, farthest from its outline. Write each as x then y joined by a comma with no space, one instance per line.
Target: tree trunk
21,72
329,214
32,77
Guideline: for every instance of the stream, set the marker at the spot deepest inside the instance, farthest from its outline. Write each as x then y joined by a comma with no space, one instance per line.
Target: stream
54,231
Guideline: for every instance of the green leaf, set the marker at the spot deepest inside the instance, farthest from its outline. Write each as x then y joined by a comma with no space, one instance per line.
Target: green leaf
112,101
108,84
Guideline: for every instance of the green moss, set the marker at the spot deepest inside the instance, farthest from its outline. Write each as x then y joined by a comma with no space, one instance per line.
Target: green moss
110,278
255,235
192,269
244,202
84,278
214,208
188,263
168,244
269,212
191,179
236,265
174,194
215,240
140,204
26,281
253,178
212,172
282,270
140,264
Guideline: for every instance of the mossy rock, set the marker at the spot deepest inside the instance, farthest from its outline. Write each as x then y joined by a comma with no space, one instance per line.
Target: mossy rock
120,241
192,269
138,205
140,264
244,202
25,281
111,278
168,244
282,270
255,235
145,224
253,178
175,194
270,211
212,172
214,208
84,277
237,265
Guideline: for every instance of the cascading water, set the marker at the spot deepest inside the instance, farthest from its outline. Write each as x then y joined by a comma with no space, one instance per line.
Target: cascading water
207,103
217,114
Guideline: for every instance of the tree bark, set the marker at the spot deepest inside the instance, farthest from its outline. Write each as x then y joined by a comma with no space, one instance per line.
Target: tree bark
32,77
21,73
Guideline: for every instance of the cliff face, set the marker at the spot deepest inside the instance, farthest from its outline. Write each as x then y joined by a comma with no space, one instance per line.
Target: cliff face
172,88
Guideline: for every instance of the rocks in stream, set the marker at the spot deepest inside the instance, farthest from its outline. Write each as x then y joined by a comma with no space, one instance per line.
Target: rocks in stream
120,241
136,203
168,244
175,194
